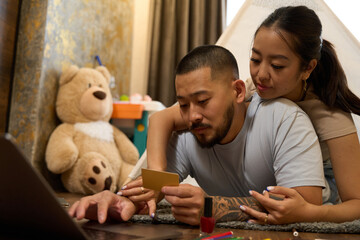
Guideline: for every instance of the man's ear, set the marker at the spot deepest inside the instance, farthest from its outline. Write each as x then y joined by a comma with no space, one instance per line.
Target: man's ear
239,90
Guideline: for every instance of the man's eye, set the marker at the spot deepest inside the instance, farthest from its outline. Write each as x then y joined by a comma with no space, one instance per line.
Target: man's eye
203,101
183,105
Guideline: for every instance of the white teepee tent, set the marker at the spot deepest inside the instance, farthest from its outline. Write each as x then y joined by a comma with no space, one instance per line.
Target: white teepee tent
238,36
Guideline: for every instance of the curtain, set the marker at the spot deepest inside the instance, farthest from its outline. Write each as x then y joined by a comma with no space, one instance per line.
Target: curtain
178,27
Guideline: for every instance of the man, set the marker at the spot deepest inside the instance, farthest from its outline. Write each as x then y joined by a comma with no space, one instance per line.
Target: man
232,146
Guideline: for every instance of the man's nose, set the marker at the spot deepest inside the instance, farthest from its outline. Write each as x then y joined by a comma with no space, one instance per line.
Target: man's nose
195,115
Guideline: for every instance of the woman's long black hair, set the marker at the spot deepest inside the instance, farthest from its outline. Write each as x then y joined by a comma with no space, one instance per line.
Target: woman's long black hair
328,78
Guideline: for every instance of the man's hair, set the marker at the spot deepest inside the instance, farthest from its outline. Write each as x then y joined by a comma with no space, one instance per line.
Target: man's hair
213,56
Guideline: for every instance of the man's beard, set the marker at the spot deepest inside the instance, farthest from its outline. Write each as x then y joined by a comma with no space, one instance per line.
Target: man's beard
220,133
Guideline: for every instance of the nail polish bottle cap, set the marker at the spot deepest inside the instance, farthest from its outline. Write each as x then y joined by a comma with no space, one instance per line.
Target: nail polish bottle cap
208,207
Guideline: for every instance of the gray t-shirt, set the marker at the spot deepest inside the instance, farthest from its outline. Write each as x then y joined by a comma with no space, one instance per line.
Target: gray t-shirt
277,145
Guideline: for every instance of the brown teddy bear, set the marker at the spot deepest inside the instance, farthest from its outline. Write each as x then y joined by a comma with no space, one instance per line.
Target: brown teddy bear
90,154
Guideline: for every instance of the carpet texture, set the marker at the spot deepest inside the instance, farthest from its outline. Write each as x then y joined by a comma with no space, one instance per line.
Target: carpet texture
163,215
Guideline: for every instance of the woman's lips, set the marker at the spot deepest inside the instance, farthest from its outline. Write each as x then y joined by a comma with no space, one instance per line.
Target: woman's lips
261,88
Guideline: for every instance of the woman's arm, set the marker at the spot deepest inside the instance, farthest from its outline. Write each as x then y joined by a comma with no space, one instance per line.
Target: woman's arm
345,160
161,125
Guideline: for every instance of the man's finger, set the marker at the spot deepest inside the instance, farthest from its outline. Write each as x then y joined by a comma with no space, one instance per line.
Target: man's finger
187,219
82,207
73,208
183,190
102,210
184,210
184,202
127,210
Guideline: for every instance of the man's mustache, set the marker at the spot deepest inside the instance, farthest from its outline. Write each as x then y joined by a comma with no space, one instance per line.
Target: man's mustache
199,125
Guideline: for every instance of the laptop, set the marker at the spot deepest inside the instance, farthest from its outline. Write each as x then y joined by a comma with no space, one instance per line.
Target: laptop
29,207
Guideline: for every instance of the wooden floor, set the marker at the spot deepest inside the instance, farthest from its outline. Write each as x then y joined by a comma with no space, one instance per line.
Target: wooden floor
190,232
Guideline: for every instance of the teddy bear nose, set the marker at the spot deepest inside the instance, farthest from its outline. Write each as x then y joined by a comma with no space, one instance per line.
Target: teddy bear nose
99,95
108,182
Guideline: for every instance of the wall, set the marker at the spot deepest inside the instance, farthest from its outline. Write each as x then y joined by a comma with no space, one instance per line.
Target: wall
52,35
9,10
143,19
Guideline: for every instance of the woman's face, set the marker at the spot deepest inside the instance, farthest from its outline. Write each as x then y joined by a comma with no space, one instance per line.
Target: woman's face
275,68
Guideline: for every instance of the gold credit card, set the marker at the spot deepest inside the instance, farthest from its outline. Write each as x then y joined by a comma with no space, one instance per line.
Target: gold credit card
155,180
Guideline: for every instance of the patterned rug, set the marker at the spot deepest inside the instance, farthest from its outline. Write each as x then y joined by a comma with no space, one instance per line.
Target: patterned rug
163,215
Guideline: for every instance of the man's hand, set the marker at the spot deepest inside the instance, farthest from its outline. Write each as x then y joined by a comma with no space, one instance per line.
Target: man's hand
187,202
135,192
103,206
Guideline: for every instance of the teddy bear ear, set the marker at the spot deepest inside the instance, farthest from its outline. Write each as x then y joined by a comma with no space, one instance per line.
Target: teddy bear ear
68,74
103,70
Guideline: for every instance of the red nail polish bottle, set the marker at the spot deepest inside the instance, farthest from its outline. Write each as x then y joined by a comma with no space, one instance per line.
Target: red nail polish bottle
207,222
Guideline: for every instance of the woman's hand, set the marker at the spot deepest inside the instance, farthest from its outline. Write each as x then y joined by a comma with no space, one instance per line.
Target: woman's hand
135,192
292,208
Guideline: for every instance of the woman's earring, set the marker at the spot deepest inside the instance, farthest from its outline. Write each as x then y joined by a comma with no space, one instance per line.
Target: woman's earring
305,85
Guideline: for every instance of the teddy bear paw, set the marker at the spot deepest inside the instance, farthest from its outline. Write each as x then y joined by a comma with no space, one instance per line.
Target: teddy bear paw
99,176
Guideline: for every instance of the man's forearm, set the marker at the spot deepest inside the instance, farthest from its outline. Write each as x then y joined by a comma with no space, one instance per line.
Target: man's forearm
227,208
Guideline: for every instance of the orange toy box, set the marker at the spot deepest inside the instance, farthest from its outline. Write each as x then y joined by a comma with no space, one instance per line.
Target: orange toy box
127,110
132,119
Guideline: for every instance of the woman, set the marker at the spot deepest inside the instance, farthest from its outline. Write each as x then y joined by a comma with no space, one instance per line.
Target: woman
290,59
324,96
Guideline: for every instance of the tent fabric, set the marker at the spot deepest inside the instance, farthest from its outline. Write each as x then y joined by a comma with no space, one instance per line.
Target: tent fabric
238,36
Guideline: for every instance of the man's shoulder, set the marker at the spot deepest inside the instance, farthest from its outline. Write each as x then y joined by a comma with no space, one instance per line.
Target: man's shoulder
283,102
275,111
279,105
256,99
